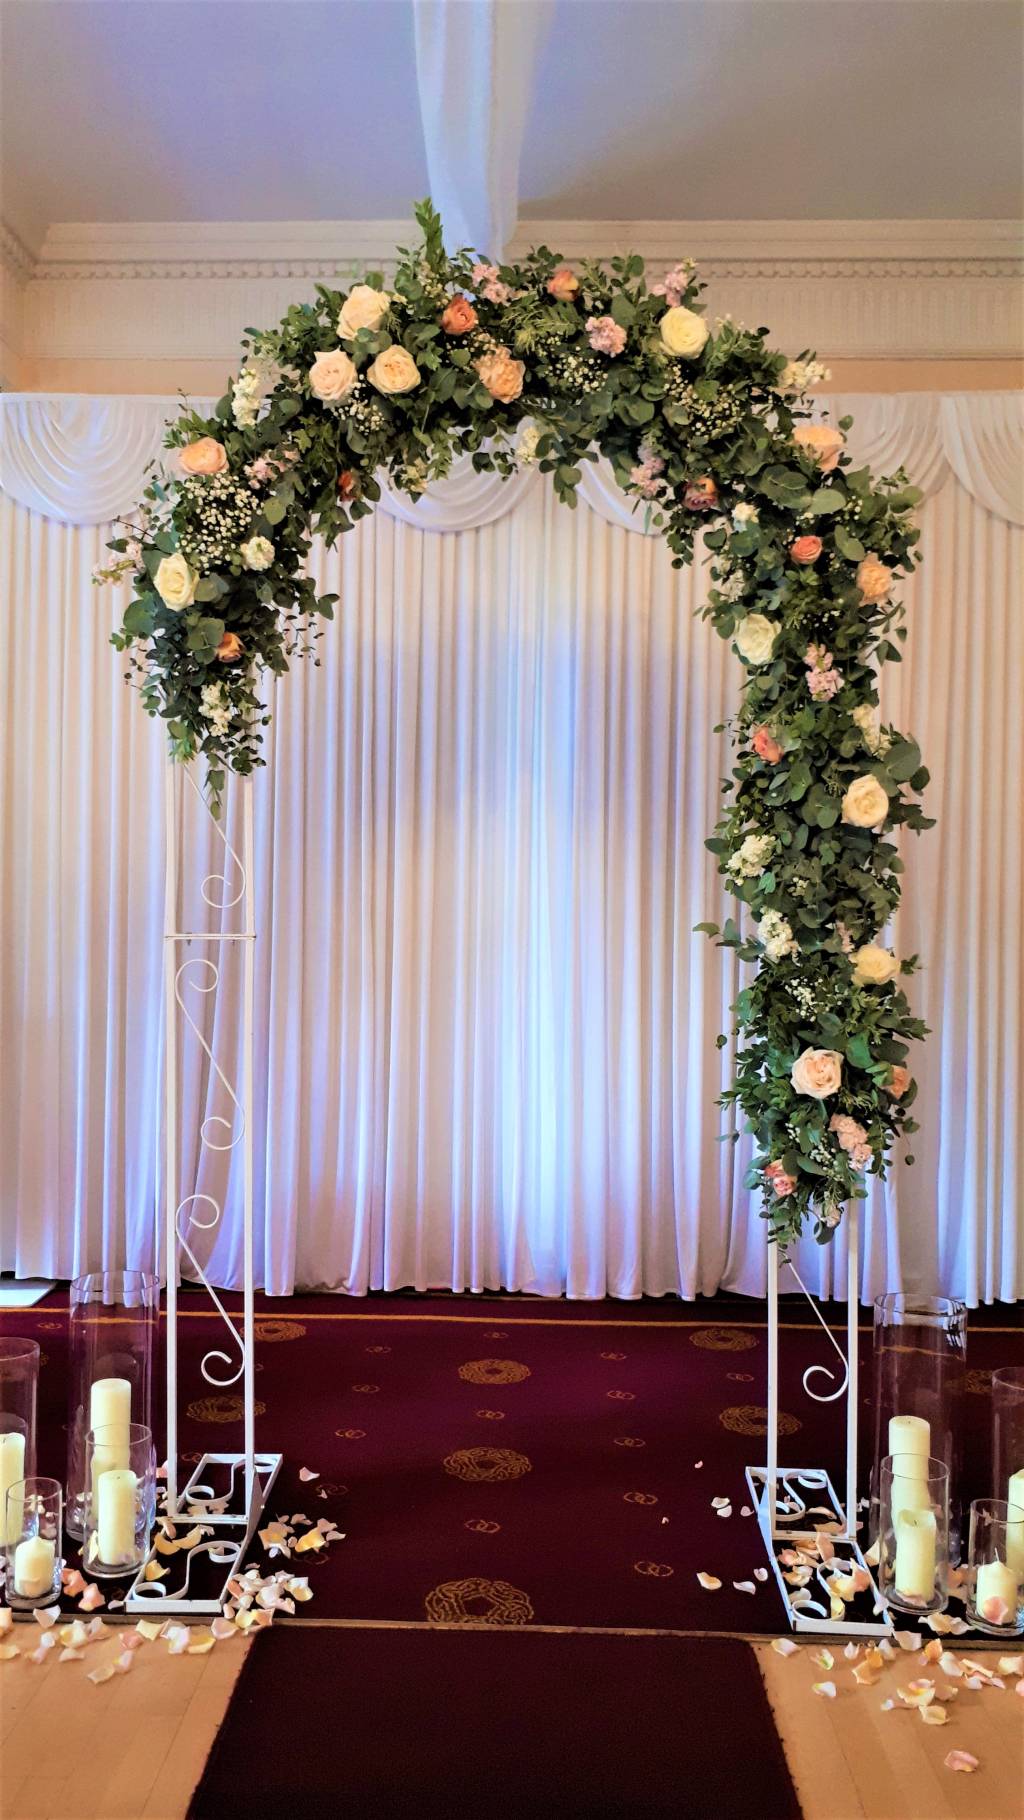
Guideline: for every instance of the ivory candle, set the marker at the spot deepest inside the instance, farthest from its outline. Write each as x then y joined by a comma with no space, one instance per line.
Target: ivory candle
115,1515
110,1415
909,1492
910,1437
1015,1529
33,1567
12,1471
995,1594
915,1554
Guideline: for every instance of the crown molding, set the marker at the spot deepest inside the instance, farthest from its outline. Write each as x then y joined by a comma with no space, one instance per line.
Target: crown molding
15,257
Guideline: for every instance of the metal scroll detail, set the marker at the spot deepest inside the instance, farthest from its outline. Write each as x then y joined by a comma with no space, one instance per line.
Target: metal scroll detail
183,1221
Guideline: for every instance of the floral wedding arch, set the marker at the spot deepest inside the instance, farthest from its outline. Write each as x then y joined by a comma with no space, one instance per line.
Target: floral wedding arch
708,432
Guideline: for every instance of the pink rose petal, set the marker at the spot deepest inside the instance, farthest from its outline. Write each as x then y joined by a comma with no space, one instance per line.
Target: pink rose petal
104,1673
306,1475
744,1586
784,1646
47,1617
960,1760
91,1599
709,1582
825,1689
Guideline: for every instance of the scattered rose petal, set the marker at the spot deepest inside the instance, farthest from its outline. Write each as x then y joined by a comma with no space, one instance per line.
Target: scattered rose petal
301,1590
104,1673
726,1511
784,1646
68,1654
933,1715
1019,1689
960,1760
154,1571
74,1635
709,1582
826,1548
178,1637
306,1475
995,1611
871,1555
917,1693
8,1651
974,1682
744,1586
885,1649
852,1652
92,1598
745,1511
887,1705
6,1619
720,1503
697,1464
222,1628
823,1659
148,1630
933,1651
1011,1665
909,1639
761,1573
865,1675
943,1625
311,1540
949,1664
73,1582
124,1661
98,1629
826,1689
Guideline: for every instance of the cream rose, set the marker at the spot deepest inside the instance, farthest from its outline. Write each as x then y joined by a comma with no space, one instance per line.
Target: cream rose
866,803
205,456
394,371
821,441
817,1072
873,579
683,332
258,553
363,308
755,638
332,376
874,966
176,582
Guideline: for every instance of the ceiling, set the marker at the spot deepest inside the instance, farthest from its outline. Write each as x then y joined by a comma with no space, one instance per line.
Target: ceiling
271,110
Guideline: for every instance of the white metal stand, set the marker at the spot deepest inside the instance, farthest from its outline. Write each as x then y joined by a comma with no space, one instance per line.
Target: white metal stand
788,1499
226,1492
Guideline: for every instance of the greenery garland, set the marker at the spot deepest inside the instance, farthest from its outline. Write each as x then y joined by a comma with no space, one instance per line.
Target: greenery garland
708,432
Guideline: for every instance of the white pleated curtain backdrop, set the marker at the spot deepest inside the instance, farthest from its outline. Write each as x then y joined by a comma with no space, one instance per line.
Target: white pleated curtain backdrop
485,1032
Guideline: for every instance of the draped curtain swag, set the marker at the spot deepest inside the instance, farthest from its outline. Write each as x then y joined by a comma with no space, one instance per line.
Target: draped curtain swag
486,1034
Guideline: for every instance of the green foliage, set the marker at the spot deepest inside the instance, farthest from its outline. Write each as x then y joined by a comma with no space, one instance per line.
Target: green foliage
811,886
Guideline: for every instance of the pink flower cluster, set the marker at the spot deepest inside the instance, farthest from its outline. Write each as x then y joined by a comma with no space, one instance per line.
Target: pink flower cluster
823,679
489,285
782,1183
605,335
673,286
265,468
852,1138
645,475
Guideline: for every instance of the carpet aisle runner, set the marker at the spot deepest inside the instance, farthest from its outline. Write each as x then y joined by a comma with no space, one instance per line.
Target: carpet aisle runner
520,1462
485,1723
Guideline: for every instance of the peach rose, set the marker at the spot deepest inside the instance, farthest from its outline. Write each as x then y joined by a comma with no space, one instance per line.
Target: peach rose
700,495
206,456
459,317
230,648
817,1073
899,1081
502,375
563,285
348,484
805,549
332,376
394,371
783,1184
873,579
766,745
866,803
821,441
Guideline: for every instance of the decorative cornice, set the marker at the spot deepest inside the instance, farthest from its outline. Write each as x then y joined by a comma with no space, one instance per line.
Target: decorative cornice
14,255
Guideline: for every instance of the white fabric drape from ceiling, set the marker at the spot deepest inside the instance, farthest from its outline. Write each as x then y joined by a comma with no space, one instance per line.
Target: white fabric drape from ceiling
486,1034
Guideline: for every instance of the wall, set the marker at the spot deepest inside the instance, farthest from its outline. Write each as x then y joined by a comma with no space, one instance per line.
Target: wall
151,307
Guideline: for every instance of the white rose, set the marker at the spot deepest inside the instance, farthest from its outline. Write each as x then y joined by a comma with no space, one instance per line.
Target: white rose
332,376
683,332
755,638
258,553
866,803
176,582
394,371
817,1073
744,514
874,966
364,308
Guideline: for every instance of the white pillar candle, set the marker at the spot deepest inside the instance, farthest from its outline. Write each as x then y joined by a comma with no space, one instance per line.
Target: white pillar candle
909,1493
915,1554
33,1567
12,1471
995,1594
115,1516
910,1437
110,1415
1015,1531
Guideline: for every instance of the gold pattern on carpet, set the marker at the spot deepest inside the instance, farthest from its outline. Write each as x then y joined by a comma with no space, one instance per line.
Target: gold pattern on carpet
723,1339
221,1409
478,1602
752,1419
481,1526
268,1331
653,1570
639,1497
487,1465
494,1371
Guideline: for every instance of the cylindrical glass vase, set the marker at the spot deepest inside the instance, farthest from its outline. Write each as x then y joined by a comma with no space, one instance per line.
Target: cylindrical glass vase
919,1370
121,1475
112,1329
913,1536
32,1557
1008,1440
19,1388
995,1568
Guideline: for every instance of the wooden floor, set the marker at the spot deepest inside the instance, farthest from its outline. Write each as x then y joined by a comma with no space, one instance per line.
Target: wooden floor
134,1748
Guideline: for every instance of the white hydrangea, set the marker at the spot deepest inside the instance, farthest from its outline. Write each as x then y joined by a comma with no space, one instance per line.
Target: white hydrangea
752,855
776,936
526,447
871,733
799,375
215,708
743,515
257,553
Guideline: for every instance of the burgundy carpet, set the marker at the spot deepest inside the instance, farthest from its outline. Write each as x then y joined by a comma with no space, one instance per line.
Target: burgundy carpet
546,1449
487,1723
